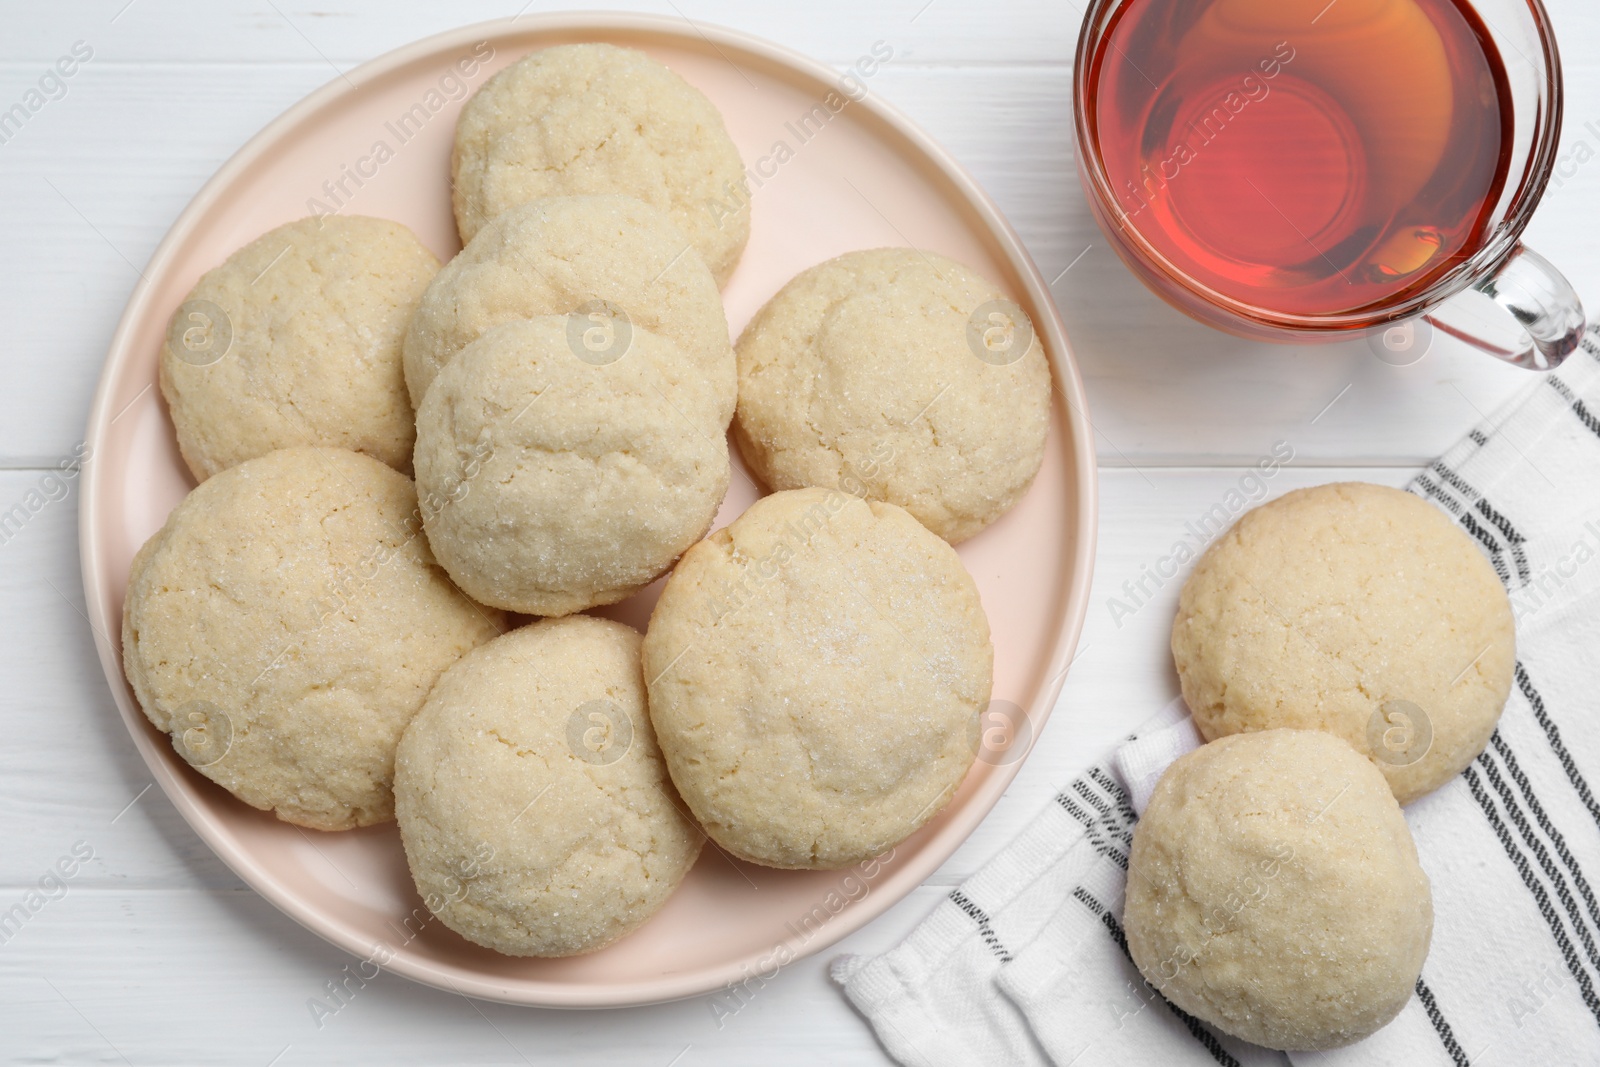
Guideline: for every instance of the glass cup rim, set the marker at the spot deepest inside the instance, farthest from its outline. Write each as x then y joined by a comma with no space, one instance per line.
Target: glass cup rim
1504,239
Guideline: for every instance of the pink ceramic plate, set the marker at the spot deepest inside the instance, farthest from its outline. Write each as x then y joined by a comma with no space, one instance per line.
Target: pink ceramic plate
824,179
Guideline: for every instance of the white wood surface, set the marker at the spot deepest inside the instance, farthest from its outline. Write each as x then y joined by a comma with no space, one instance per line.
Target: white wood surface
157,954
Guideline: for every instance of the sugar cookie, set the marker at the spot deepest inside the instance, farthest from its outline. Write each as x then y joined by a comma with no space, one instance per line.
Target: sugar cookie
295,340
536,813
816,673
284,626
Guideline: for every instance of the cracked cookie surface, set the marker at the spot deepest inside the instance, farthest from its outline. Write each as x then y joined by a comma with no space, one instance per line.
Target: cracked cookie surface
551,484
612,262
1357,609
864,373
1274,891
285,625
308,347
536,814
584,119
817,670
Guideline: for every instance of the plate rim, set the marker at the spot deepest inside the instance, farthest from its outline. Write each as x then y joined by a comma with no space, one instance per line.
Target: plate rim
897,882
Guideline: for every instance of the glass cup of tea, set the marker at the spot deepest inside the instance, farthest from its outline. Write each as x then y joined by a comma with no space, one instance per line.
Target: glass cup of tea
1305,170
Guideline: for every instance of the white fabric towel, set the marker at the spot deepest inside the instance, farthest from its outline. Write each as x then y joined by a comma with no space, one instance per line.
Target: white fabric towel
1025,965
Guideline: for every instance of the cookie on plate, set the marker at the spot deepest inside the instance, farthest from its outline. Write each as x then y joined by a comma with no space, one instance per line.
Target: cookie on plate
817,670
612,263
552,481
285,625
1274,891
1356,609
295,340
896,375
536,814
594,118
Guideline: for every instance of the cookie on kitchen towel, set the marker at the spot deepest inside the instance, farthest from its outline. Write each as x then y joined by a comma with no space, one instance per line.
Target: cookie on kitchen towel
1274,891
1357,609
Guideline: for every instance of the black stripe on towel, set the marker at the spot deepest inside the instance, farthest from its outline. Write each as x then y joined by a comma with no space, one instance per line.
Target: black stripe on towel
1112,787
1441,1026
1194,1026
1094,830
1496,556
1107,848
981,917
1120,823
1541,856
1579,408
1469,493
1514,540
1109,832
1430,488
1479,438
1585,416
1119,796
1559,842
1455,480
1073,809
1123,818
1552,920
1491,546
1097,802
1553,735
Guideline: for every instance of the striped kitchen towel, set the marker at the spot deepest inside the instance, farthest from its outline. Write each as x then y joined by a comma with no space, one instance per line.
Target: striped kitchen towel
1025,965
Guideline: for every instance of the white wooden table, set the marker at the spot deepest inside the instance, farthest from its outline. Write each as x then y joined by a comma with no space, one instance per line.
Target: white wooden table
157,953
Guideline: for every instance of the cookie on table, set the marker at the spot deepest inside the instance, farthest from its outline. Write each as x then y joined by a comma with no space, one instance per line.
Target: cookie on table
1356,609
554,481
594,118
295,340
285,625
1274,891
613,263
897,375
536,814
817,670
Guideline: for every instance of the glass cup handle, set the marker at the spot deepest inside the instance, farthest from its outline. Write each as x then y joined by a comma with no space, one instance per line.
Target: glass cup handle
1538,297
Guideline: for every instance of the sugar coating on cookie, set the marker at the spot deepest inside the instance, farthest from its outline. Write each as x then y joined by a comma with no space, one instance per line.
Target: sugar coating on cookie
554,481
295,340
585,119
285,625
613,263
816,671
1274,891
898,375
1357,609
536,813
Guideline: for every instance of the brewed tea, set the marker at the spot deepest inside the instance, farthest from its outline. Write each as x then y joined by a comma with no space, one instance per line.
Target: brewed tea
1300,156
